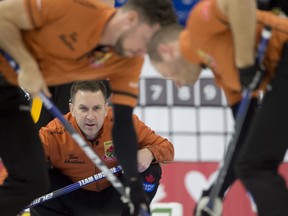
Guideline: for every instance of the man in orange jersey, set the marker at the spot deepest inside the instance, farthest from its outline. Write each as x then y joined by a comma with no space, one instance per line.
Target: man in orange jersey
220,34
93,119
60,96
56,42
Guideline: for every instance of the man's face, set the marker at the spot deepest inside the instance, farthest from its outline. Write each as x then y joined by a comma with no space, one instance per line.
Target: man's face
133,41
178,70
89,109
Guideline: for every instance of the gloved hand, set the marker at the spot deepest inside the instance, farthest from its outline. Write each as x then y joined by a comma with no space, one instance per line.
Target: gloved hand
252,76
138,199
202,210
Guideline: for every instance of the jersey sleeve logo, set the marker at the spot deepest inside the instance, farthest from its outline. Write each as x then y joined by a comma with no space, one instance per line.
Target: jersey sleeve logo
109,152
98,59
98,56
207,59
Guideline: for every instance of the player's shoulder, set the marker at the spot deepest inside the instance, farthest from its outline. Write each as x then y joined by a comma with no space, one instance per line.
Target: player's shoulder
54,127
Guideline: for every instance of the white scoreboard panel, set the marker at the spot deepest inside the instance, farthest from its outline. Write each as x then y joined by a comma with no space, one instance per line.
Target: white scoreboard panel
195,119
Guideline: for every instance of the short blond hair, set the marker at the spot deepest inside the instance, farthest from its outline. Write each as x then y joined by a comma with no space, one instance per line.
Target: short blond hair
164,35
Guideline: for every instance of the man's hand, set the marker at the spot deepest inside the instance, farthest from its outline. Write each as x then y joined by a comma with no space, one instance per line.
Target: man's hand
31,80
145,158
138,199
203,210
252,76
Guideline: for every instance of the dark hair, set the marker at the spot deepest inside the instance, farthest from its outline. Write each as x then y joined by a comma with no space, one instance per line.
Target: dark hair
164,35
93,86
154,11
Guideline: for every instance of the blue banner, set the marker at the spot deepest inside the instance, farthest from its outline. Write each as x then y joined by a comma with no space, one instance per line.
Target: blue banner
182,8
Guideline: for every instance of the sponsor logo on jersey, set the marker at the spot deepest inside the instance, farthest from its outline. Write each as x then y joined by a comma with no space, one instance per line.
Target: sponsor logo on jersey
133,84
69,39
109,152
206,58
73,159
99,56
25,108
149,183
98,59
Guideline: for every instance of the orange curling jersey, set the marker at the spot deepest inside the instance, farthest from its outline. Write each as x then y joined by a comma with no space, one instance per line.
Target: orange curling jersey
67,156
213,45
64,40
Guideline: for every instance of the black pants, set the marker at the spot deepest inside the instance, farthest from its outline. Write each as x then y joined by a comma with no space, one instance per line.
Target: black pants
21,152
230,177
87,203
265,148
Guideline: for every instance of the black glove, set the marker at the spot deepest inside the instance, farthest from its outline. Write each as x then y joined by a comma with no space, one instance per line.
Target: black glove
252,76
138,200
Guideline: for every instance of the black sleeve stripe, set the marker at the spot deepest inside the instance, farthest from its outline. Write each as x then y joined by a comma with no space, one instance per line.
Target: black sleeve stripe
125,93
30,13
